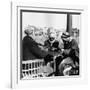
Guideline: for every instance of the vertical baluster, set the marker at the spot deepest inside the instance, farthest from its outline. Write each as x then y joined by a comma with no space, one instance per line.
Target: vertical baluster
34,67
31,68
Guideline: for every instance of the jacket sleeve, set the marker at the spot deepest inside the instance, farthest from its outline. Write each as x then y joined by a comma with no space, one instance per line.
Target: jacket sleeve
75,47
35,50
74,44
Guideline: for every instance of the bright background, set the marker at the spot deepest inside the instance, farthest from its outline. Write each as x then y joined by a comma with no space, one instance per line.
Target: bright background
5,44
44,20
57,21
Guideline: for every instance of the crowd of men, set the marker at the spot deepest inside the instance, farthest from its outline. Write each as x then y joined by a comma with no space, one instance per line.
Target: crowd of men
63,51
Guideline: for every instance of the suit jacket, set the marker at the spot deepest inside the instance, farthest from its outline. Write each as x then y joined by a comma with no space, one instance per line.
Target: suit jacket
31,50
50,46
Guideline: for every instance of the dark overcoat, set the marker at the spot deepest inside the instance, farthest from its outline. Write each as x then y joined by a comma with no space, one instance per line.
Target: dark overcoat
31,49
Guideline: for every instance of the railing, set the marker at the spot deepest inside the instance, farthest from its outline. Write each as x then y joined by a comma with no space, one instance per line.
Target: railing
31,68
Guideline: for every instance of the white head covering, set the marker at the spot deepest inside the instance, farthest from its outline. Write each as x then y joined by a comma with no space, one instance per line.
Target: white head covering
29,30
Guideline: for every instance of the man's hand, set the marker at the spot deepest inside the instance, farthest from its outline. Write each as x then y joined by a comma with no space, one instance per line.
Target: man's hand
42,48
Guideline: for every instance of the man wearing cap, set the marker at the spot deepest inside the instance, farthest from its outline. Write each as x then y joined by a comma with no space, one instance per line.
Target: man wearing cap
70,46
70,52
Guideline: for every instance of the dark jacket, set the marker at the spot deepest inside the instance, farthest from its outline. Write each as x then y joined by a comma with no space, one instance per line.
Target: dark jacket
74,50
54,45
31,50
73,45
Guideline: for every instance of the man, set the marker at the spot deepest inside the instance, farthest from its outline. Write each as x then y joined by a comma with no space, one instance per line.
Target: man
51,43
70,53
70,46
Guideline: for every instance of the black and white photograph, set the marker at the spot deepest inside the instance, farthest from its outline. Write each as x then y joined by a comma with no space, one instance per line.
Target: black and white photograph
49,44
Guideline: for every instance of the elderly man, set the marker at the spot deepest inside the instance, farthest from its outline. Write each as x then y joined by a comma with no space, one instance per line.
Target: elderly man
53,45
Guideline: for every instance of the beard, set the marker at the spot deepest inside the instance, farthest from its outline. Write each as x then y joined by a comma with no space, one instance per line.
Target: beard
51,38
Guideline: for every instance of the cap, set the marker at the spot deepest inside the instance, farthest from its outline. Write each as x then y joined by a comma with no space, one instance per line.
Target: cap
65,35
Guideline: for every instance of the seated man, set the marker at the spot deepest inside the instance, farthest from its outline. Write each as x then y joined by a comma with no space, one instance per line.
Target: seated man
53,45
70,53
71,48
